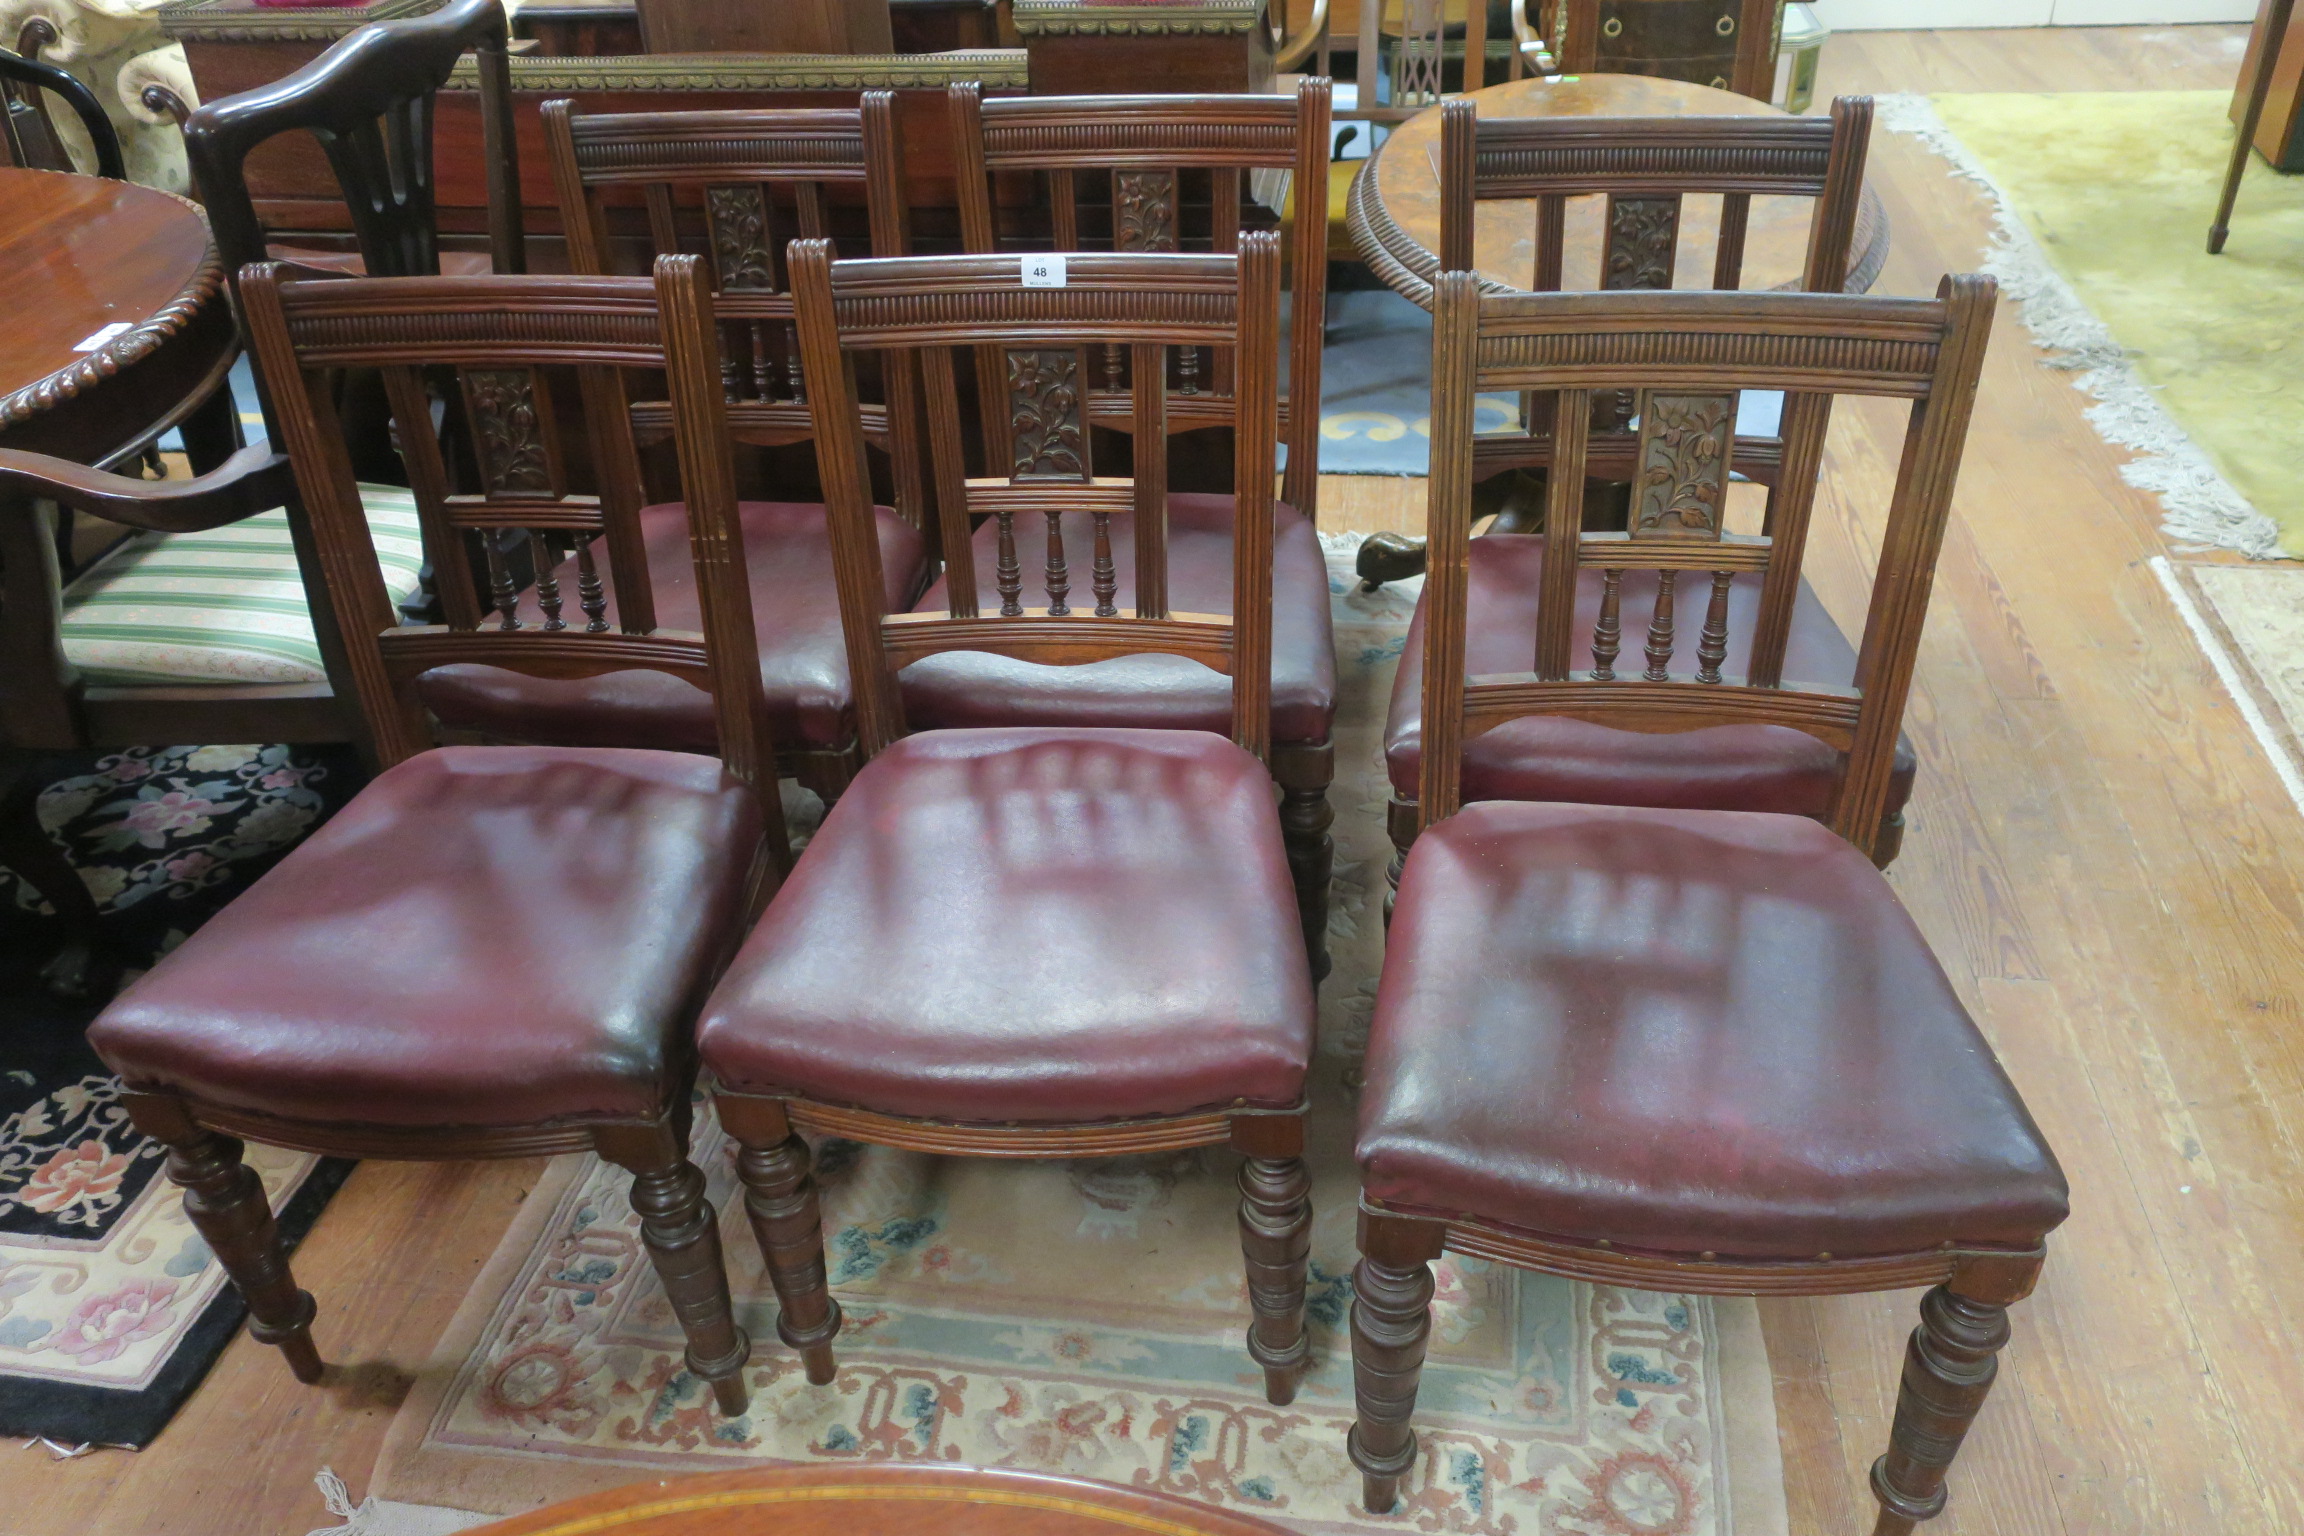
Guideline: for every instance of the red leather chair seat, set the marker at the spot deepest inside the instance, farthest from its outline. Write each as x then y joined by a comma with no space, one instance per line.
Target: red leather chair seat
1544,757
1030,925
1683,1031
352,264
803,661
485,936
974,688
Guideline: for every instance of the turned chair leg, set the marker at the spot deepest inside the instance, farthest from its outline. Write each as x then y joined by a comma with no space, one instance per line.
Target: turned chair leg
1948,1369
682,1234
1400,826
226,1202
1276,1241
1391,1323
780,1199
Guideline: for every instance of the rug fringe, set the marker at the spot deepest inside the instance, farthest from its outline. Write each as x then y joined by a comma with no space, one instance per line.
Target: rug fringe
2199,506
382,1517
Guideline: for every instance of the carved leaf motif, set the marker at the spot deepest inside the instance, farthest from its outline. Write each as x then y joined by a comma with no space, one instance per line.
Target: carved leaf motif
508,424
1047,432
1641,234
1146,204
740,238
1684,452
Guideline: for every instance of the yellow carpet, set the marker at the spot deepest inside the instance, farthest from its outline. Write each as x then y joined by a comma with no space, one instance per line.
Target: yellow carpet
2118,189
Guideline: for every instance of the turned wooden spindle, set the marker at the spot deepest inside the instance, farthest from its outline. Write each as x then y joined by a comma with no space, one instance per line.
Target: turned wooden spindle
546,559
763,370
682,1234
1105,578
1009,574
501,592
1712,644
795,376
1059,576
589,592
1607,631
1660,640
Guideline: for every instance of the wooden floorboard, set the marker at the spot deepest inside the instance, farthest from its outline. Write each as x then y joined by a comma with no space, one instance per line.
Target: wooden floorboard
2103,858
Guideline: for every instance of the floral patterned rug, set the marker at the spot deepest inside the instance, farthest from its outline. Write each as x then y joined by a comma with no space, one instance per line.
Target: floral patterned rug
111,1307
1088,1318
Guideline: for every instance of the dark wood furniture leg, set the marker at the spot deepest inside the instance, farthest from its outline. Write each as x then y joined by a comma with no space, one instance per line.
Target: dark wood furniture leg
1948,1370
226,1202
80,968
1304,772
1276,1240
1391,1323
212,432
780,1199
682,1232
2267,55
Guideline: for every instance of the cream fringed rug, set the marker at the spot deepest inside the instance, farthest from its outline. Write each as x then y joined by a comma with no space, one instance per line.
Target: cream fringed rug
1087,1318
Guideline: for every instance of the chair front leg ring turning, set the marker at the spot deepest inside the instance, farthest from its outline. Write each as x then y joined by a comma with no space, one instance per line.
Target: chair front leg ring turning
780,1200
1391,1324
682,1234
1948,1370
1276,1238
226,1203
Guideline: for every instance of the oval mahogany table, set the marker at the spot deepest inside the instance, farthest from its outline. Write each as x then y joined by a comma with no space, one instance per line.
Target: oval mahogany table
1394,209
902,1499
79,254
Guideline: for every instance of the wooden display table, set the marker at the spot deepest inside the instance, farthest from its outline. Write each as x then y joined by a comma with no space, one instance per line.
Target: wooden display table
83,254
886,1500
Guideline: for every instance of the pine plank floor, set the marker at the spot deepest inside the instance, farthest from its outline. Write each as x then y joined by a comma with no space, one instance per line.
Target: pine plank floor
2101,855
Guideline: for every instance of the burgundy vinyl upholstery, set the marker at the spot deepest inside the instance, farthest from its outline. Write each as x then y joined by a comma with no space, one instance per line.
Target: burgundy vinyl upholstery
1547,757
803,662
973,688
1684,1031
1030,925
485,936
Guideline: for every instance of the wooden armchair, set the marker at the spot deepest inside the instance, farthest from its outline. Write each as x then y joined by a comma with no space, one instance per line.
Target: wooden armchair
24,117
368,101
1688,1050
1145,145
491,951
1064,941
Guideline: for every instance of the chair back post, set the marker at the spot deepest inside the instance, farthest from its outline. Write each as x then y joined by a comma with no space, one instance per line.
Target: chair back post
40,76
1686,357
848,500
1146,142
1934,444
1833,229
498,337
368,100
1148,305
1459,135
733,170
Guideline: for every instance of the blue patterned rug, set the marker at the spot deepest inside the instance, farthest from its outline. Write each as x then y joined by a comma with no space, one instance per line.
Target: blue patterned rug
111,1307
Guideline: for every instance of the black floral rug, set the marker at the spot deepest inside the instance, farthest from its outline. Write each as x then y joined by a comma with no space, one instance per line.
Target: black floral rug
111,1307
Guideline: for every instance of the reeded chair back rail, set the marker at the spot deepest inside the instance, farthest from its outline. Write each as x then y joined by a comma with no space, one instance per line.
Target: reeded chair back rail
746,181
502,339
1047,340
1687,355
1646,168
368,100
1146,143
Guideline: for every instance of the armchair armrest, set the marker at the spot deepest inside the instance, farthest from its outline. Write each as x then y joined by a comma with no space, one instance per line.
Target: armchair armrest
255,479
1534,55
1289,56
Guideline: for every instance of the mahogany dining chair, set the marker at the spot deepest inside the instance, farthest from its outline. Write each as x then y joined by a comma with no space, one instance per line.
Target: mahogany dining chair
492,951
1689,1050
1036,941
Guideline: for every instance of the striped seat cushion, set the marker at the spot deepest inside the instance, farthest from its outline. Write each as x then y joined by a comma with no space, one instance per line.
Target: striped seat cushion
221,606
